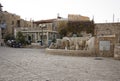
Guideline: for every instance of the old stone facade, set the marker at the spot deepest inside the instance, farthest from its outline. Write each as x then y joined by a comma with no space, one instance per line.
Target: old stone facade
47,30
0,36
107,36
43,31
9,21
117,52
12,21
74,17
102,29
104,45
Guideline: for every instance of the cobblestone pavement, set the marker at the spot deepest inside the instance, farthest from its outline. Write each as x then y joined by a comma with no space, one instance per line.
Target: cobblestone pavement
23,64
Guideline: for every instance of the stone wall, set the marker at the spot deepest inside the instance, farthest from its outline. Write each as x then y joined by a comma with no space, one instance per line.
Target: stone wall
108,33
117,52
12,21
0,36
104,46
70,52
102,29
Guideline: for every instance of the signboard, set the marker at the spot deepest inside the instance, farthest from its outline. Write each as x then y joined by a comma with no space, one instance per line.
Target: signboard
104,45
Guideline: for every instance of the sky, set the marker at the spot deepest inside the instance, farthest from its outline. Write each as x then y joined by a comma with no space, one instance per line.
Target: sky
101,10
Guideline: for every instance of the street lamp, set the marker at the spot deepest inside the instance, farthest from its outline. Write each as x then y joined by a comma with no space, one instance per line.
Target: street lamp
42,26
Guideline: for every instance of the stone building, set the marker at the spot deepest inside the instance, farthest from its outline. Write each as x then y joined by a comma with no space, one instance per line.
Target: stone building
74,17
0,36
107,36
43,31
10,21
47,30
102,29
104,45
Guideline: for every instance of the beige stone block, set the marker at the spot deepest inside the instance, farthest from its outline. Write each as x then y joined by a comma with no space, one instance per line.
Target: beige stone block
117,52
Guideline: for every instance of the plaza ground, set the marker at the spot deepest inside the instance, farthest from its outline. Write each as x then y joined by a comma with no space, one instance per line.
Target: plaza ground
24,64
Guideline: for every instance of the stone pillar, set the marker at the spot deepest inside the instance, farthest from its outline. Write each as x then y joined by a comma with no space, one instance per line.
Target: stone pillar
35,37
47,41
39,36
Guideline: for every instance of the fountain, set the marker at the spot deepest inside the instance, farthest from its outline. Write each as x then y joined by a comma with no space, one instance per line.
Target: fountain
80,46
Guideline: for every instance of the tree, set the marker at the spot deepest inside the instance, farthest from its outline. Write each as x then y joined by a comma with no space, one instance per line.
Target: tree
70,28
20,37
62,28
9,37
81,26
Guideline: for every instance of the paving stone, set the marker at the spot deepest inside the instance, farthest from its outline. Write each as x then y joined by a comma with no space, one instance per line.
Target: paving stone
25,64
